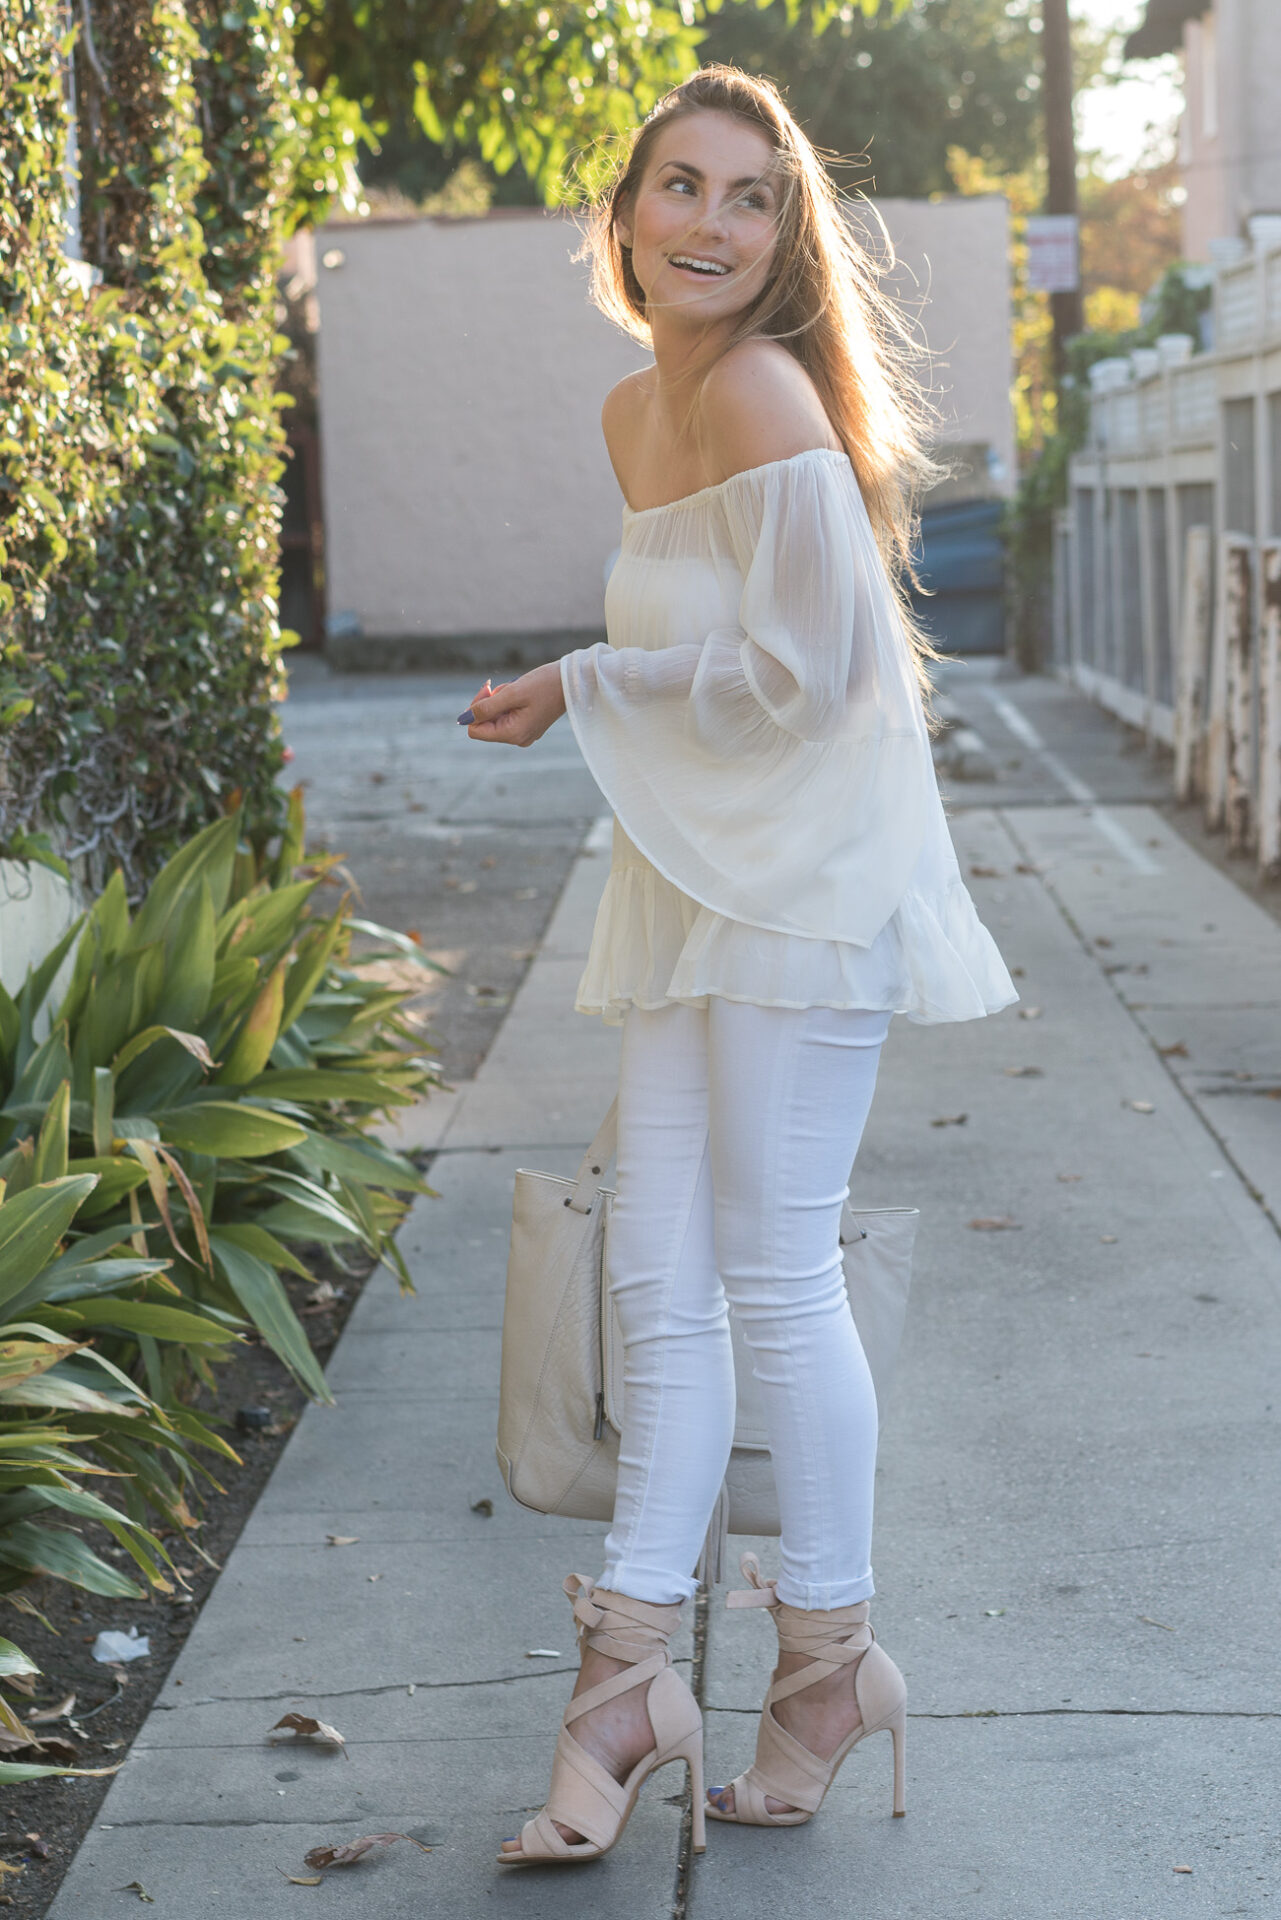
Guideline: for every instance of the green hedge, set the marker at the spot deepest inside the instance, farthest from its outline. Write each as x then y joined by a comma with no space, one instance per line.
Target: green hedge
140,435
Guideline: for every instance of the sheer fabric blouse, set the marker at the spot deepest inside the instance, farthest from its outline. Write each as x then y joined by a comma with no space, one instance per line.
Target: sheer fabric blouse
754,722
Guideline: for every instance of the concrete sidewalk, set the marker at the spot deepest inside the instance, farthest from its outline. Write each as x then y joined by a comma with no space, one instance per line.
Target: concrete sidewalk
1076,1529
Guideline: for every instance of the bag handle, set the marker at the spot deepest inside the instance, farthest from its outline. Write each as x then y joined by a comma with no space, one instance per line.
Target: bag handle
594,1162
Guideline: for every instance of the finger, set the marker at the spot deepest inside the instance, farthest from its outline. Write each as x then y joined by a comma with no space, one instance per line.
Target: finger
503,699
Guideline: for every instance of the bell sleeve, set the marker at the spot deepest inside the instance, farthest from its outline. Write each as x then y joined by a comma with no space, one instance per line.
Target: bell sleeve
776,770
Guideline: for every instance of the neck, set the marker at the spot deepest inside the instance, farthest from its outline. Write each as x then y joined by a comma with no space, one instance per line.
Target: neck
683,352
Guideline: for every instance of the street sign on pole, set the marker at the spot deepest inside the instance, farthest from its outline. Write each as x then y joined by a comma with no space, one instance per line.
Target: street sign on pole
1053,262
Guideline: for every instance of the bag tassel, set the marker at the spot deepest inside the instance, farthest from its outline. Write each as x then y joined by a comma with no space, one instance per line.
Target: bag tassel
711,1561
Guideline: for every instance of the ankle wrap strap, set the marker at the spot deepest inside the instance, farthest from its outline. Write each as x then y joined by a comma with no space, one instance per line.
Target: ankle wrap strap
616,1625
838,1635
841,1634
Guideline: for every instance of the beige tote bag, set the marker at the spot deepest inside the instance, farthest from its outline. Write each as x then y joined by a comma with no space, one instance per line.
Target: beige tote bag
561,1387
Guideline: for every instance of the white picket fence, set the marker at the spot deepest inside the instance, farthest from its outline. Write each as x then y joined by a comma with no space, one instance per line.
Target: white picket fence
1167,600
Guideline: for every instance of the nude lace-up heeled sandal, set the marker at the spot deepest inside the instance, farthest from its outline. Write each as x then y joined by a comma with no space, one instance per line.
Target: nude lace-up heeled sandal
784,1769
584,1797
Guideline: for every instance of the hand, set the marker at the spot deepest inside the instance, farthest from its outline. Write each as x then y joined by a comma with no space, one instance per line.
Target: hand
518,712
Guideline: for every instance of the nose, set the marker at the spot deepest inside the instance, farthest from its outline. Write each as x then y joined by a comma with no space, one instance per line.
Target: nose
711,225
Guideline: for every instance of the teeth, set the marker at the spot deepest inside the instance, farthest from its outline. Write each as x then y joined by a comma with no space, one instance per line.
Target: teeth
700,266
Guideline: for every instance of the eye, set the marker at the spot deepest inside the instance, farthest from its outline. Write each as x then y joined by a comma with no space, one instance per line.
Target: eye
679,180
756,198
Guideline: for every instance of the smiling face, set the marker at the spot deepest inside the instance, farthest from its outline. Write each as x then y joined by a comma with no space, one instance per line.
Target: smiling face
703,222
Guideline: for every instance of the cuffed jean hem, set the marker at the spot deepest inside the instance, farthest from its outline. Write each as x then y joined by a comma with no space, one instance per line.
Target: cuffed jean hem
657,1589
822,1599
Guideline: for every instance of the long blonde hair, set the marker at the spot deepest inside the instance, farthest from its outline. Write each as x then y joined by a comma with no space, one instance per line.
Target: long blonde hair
823,301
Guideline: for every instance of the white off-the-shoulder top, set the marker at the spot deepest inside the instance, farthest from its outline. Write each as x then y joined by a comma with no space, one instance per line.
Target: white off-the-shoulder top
755,723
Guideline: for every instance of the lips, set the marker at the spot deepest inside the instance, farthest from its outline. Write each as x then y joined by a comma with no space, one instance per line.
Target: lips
706,269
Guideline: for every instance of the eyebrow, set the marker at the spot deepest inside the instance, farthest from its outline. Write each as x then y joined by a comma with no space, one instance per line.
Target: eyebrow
747,180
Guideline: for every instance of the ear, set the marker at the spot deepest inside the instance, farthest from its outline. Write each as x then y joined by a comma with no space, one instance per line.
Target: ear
623,220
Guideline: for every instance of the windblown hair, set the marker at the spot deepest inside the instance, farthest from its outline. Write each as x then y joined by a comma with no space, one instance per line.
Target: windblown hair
823,301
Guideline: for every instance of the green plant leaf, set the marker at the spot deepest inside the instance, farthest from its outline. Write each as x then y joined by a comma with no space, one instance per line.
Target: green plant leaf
260,1293
161,1322
251,1049
255,1239
233,1130
117,1178
264,922
33,1548
47,1067
41,978
191,1042
32,1224
365,1163
10,1027
310,1086
14,1660
52,1144
315,952
210,857
190,959
292,840
106,928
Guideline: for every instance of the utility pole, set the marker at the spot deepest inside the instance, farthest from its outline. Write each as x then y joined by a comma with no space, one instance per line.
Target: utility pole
1060,148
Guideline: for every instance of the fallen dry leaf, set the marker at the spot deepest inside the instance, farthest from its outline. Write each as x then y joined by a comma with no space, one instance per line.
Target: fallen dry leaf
7,1866
42,1716
1176,1051
342,1539
302,1724
1139,1106
997,1223
484,1505
1148,1621
1018,973
543,1653
1183,1869
1107,1239
1068,1178
1103,941
987,873
1024,1073
300,1880
950,1120
1027,866
351,1851
1030,1013
136,1886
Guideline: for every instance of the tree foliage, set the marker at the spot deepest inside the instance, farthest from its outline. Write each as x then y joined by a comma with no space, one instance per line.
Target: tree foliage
900,85
140,440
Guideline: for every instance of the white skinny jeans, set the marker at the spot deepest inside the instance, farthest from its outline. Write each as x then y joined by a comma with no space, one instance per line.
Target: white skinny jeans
737,1129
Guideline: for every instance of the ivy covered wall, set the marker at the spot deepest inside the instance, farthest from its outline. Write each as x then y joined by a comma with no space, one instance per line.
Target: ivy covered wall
141,444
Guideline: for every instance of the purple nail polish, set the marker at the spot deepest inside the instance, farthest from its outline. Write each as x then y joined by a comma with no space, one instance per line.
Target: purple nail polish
465,719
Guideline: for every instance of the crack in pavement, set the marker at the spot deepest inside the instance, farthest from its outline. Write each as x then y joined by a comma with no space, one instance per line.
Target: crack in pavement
367,1693
1075,1713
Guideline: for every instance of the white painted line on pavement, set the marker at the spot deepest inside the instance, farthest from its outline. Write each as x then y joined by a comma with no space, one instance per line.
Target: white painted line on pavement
1112,830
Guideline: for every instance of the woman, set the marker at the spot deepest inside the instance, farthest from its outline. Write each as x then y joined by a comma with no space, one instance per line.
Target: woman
782,882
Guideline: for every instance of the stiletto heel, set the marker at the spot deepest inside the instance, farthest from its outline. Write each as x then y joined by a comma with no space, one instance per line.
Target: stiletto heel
784,1769
694,1754
898,1729
584,1796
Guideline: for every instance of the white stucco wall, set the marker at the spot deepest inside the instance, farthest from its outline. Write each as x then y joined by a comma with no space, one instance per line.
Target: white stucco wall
1228,146
36,908
462,368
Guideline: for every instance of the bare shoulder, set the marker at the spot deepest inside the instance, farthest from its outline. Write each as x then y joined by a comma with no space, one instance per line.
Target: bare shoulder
759,405
620,411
